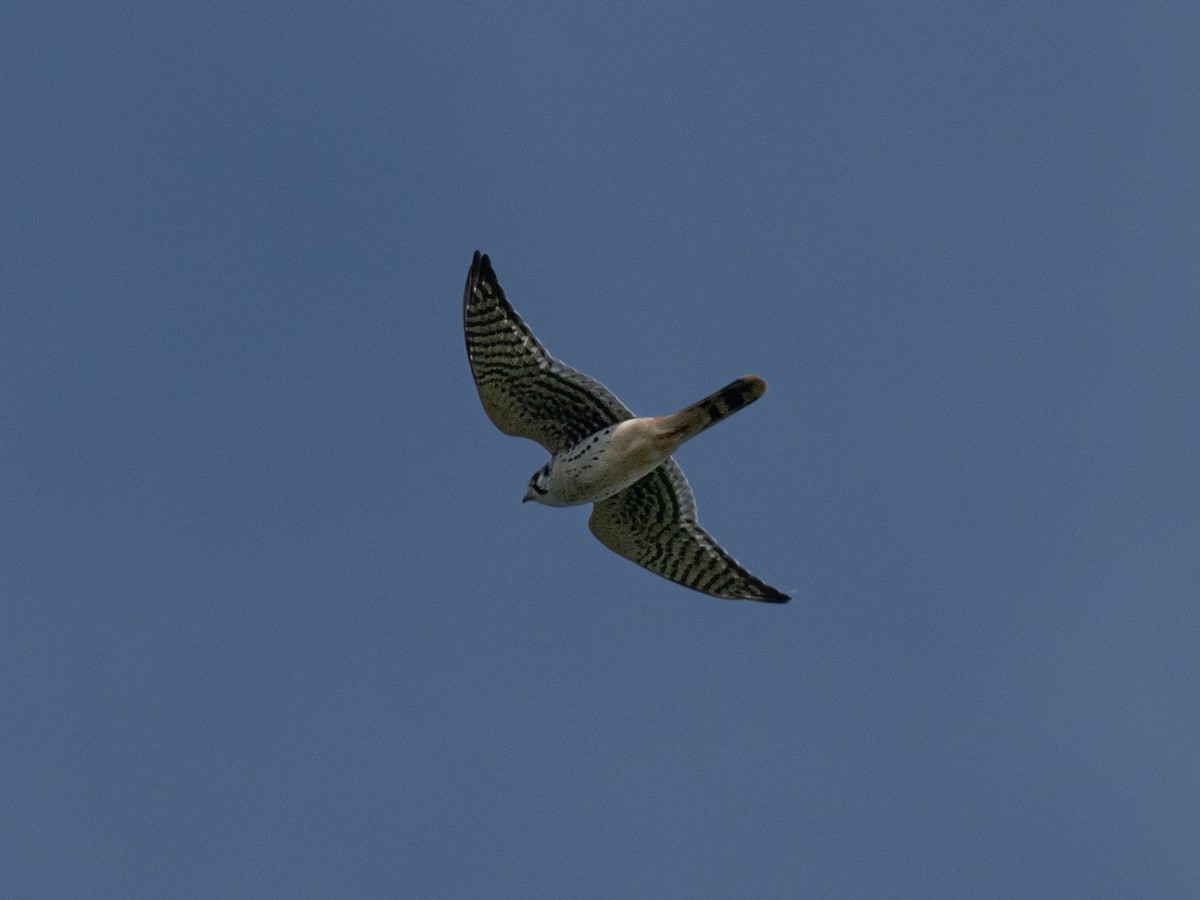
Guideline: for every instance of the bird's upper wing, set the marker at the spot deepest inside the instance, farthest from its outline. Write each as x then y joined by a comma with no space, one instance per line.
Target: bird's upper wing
653,522
525,391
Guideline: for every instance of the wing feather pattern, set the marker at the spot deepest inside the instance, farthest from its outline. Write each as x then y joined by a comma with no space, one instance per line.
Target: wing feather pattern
653,523
525,391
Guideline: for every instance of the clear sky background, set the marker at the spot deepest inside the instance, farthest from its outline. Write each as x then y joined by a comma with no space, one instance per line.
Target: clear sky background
273,620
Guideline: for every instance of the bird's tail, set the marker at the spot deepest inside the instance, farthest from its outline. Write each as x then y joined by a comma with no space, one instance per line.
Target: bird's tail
691,420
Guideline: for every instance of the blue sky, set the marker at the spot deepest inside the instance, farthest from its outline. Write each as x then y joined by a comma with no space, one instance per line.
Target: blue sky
273,620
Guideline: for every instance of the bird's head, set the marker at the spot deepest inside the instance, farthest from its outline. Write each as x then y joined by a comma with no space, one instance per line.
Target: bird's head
538,487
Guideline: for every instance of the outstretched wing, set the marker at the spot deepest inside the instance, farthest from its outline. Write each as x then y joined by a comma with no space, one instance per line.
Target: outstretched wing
525,391
653,522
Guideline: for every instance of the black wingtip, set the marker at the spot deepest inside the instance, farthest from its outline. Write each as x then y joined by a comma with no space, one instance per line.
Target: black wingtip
752,590
481,268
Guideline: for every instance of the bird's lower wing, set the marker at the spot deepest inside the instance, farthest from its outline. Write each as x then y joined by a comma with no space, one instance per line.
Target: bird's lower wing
653,523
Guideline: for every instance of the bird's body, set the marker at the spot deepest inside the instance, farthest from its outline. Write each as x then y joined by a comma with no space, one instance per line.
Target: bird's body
600,452
600,465
615,457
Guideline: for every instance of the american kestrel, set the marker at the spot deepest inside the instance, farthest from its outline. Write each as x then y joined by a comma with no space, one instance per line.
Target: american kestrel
600,452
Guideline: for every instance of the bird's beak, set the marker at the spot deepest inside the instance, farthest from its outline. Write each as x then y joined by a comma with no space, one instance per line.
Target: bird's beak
528,495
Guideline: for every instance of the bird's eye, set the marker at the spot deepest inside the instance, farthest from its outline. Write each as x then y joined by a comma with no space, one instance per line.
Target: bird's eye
538,482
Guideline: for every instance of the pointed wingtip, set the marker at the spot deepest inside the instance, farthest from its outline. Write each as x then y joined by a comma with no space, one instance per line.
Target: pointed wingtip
757,590
480,271
753,589
481,267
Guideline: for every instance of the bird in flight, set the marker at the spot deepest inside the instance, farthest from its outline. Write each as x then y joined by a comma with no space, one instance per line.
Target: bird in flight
600,452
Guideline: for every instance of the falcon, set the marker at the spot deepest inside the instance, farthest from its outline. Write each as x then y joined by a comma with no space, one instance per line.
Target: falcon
601,453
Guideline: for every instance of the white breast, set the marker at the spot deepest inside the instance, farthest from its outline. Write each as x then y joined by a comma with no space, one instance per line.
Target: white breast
606,462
